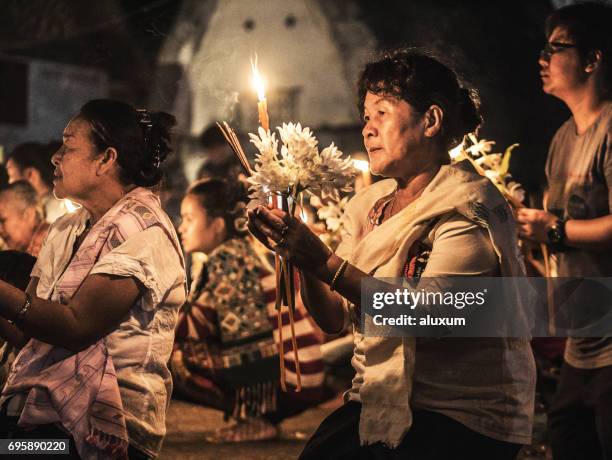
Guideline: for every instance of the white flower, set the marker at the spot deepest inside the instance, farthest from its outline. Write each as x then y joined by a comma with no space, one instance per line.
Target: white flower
480,148
516,191
491,161
299,165
456,152
299,142
336,174
331,213
495,166
492,175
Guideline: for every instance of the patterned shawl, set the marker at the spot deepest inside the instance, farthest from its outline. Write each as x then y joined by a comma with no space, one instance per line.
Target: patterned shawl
80,390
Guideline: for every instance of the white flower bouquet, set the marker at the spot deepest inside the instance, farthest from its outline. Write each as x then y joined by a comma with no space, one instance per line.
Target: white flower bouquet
280,178
299,166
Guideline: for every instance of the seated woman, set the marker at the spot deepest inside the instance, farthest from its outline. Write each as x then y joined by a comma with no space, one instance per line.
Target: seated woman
104,295
22,221
431,398
226,351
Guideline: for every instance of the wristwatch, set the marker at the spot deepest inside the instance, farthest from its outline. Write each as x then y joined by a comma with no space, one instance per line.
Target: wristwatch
556,234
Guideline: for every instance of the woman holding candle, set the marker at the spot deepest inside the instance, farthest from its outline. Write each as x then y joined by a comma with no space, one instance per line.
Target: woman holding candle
428,219
226,348
104,295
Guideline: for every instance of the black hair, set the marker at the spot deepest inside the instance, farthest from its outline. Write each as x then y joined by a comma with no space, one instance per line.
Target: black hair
588,24
223,199
212,137
142,138
422,80
35,155
15,268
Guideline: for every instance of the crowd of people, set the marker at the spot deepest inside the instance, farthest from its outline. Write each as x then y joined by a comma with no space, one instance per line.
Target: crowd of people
101,328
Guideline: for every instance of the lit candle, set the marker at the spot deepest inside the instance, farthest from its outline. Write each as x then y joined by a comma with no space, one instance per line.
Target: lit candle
364,167
262,104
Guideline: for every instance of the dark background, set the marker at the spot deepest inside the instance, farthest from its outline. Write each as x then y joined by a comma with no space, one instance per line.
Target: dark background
494,45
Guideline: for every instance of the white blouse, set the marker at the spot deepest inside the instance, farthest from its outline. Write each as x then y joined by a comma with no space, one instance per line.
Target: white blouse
142,343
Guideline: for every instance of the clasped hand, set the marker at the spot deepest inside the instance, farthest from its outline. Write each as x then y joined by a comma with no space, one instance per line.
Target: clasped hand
289,237
533,224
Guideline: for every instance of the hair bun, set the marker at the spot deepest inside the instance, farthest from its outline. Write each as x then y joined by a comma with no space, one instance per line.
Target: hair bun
467,117
222,198
142,138
156,127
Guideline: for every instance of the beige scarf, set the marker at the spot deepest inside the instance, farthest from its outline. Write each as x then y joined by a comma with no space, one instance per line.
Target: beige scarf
387,387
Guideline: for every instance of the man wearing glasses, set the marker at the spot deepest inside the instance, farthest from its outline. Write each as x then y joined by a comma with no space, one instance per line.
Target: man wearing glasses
576,67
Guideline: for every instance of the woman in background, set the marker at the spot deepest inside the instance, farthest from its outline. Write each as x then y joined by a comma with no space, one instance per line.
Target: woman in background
226,351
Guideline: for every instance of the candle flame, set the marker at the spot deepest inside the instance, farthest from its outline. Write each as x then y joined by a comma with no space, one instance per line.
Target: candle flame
258,82
361,165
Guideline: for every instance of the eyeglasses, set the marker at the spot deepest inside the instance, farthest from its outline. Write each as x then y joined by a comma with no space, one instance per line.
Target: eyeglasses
554,47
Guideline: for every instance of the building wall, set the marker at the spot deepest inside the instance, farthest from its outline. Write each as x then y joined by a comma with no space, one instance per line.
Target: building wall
299,56
54,93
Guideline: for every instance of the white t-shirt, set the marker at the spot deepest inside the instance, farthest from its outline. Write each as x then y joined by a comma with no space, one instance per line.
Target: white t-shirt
54,208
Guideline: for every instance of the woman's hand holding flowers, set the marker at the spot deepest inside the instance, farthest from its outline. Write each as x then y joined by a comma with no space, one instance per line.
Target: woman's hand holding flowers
289,237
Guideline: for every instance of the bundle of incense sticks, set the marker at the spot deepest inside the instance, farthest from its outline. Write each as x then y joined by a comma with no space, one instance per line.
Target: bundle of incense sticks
285,284
285,292
232,140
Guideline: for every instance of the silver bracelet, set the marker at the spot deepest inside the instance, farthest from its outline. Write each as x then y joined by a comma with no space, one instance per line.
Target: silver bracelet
26,306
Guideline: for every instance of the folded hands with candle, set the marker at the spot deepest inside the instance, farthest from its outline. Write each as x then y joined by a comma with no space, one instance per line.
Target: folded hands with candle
292,239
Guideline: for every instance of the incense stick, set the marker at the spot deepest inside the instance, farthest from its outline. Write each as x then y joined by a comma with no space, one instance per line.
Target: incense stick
232,140
287,271
279,319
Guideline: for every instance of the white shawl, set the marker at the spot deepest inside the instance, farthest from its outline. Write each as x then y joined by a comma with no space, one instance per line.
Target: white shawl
387,377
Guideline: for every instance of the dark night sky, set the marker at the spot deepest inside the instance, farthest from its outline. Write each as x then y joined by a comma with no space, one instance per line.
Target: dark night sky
495,46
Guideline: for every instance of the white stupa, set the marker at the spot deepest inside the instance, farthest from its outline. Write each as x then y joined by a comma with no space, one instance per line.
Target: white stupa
309,54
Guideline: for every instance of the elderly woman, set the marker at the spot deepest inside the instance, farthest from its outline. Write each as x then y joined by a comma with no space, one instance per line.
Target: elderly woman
22,223
415,398
104,296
